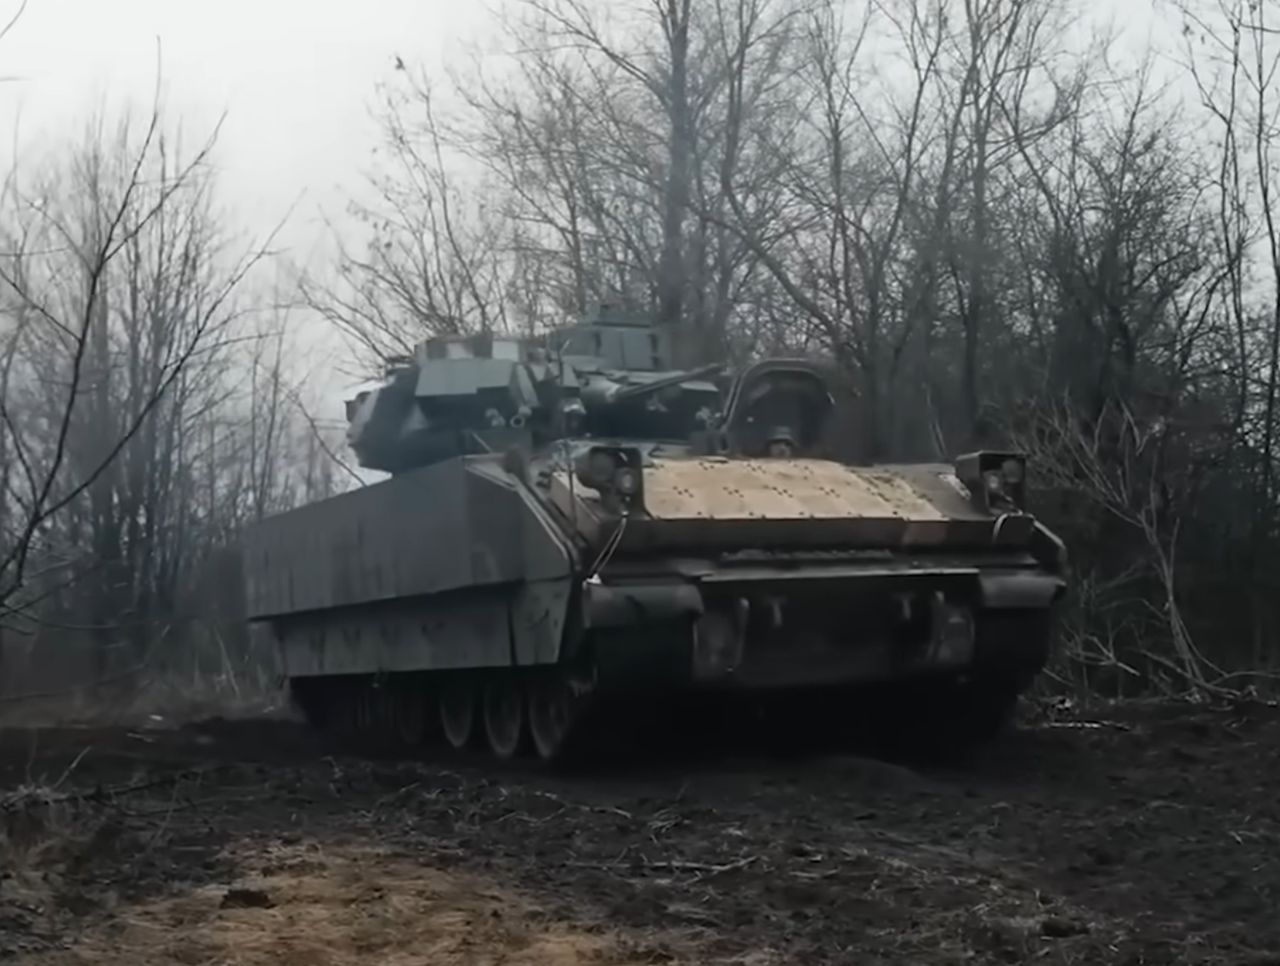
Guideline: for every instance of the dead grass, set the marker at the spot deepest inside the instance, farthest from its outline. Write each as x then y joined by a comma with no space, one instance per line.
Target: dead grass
40,832
36,821
188,675
312,907
150,700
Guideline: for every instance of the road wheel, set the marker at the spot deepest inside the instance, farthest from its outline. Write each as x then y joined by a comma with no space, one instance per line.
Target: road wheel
458,713
383,707
314,703
554,709
504,716
366,713
410,717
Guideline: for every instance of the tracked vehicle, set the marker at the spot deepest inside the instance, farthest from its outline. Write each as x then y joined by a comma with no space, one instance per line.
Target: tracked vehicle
574,521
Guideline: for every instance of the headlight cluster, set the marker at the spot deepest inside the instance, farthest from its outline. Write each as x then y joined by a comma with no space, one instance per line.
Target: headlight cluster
614,473
996,480
1009,476
627,481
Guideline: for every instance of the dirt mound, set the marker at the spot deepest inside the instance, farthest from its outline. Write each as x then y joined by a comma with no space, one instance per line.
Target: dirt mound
314,907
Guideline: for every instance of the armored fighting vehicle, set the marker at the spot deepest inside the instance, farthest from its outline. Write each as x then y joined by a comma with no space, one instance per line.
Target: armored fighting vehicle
573,520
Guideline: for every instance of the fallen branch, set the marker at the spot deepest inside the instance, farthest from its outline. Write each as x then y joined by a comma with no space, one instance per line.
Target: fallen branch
27,796
703,868
603,809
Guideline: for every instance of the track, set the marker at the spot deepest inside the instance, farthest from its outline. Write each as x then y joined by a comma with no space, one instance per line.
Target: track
563,723
1153,837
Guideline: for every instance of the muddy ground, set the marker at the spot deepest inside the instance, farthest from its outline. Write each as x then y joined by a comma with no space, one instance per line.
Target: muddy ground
1144,835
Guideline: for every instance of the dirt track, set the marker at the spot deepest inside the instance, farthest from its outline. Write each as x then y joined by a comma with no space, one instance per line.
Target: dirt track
1153,838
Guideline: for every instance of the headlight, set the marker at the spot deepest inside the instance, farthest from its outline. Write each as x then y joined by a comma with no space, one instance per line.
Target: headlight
602,465
994,480
613,472
627,481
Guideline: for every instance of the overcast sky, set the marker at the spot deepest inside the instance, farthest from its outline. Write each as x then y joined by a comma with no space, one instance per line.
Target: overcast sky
295,76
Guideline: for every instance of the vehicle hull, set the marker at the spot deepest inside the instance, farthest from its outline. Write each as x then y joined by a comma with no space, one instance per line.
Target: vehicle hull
478,570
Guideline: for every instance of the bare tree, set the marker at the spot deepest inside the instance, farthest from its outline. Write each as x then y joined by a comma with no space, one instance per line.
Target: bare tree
608,138
1001,67
435,254
662,72
1232,53
119,297
1126,248
835,240
1122,468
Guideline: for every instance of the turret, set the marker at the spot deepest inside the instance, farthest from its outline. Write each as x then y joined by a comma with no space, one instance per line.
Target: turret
609,376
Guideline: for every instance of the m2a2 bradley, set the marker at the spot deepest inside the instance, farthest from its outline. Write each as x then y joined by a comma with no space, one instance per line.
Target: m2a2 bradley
573,519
